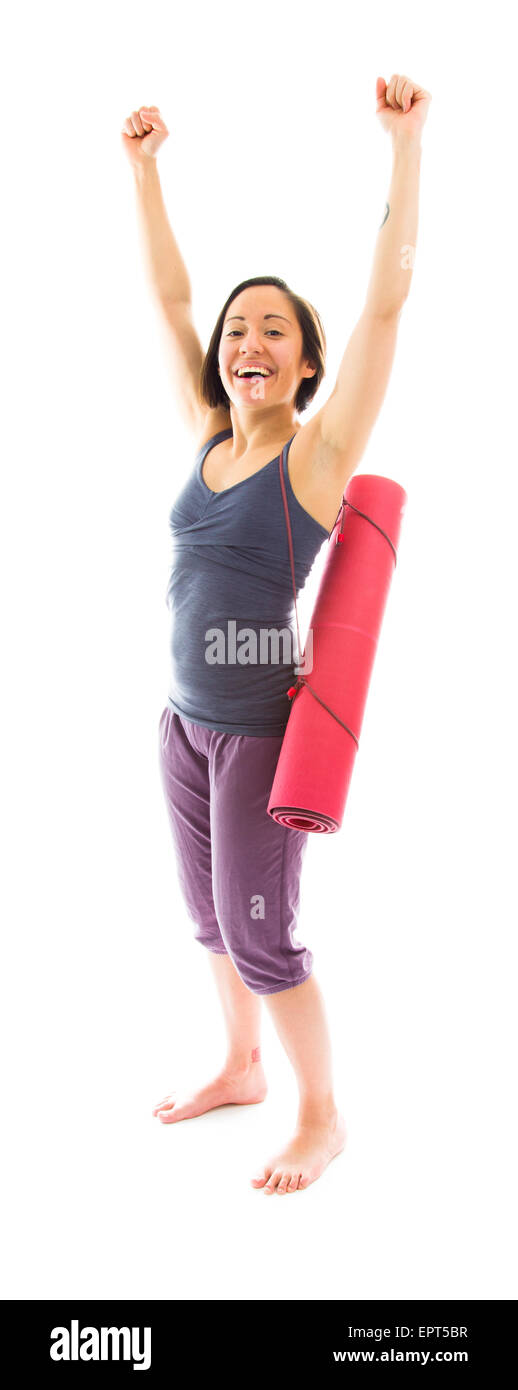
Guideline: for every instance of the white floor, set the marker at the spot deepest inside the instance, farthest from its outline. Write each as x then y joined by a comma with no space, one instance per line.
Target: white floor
106,1203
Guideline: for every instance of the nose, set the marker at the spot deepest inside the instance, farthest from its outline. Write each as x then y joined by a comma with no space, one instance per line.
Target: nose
251,341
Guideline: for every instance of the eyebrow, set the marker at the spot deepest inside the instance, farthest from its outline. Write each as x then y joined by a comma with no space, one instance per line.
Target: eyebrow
266,316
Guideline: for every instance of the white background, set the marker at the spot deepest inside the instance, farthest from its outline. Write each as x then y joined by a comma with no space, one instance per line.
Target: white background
275,163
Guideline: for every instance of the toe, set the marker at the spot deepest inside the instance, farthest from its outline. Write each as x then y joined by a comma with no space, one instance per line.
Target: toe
260,1178
283,1182
163,1104
294,1182
272,1182
165,1115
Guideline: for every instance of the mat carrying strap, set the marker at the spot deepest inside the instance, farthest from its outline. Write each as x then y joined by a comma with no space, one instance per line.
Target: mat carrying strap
301,680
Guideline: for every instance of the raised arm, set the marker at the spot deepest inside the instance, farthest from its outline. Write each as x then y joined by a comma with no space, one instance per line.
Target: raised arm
347,418
143,134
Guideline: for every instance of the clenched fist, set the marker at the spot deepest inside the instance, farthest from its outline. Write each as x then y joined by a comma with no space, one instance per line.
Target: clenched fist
402,106
143,134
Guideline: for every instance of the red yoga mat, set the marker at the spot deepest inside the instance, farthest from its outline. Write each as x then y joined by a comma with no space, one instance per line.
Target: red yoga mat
319,747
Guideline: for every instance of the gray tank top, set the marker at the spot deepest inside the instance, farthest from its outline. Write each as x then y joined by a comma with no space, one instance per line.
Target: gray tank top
230,594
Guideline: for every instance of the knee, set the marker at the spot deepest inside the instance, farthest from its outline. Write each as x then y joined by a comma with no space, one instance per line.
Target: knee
264,974
211,940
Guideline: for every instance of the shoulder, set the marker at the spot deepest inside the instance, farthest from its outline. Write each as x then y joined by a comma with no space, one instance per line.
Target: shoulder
315,479
209,423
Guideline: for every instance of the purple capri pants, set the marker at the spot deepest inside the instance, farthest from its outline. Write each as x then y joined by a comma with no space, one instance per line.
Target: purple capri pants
238,869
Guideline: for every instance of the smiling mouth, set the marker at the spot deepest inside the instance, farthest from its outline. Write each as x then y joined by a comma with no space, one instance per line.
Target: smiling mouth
243,374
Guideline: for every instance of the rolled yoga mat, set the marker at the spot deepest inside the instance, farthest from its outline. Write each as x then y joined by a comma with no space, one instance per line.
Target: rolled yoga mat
319,747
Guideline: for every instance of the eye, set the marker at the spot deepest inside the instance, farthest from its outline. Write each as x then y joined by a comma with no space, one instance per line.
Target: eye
268,330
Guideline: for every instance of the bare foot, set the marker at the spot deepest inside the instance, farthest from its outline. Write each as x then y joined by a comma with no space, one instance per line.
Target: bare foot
240,1088
305,1157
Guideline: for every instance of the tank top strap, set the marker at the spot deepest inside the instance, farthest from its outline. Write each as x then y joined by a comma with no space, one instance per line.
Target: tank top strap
214,439
284,456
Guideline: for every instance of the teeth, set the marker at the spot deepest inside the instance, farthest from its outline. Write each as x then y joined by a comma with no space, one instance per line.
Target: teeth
255,371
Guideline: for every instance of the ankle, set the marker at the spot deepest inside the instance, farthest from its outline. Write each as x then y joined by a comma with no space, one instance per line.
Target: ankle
317,1111
240,1061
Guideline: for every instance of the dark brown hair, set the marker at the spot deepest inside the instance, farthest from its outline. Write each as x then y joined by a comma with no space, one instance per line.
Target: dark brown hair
211,388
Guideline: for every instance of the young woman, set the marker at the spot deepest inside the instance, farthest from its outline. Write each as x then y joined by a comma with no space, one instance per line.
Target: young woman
221,731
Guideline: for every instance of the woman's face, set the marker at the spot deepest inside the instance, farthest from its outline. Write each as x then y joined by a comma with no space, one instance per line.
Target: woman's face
261,329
